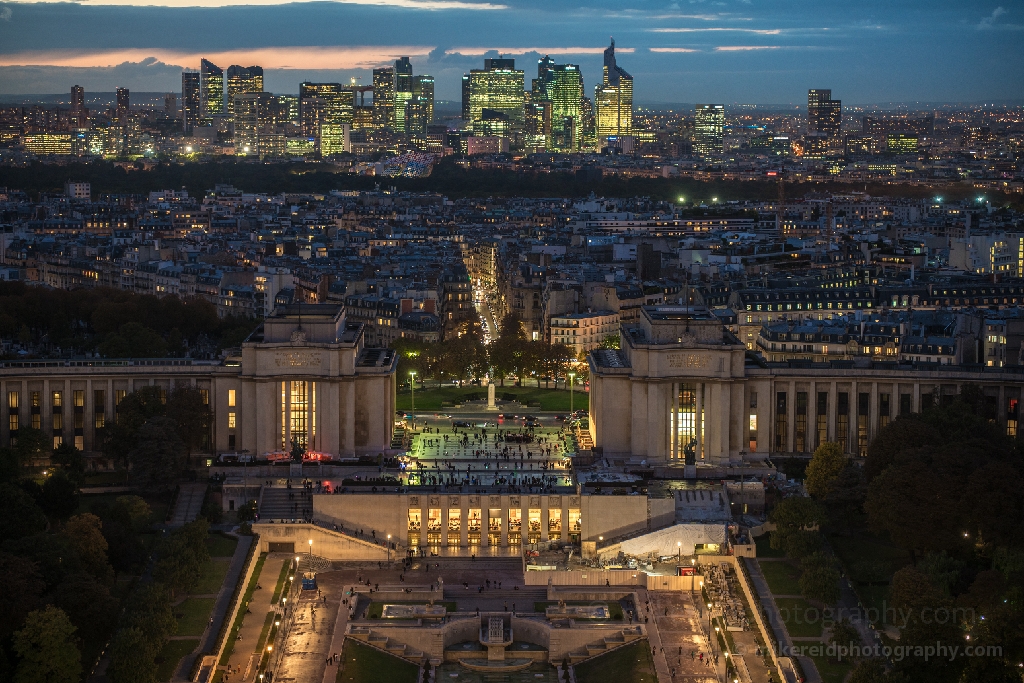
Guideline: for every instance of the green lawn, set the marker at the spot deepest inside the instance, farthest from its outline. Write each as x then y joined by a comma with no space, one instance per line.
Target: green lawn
550,399
212,577
193,616
614,608
764,547
803,620
782,577
363,664
629,664
221,545
169,656
282,581
377,608
832,672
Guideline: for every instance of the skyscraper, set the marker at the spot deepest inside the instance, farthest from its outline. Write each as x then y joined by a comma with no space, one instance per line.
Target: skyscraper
191,101
252,111
211,91
79,114
123,106
241,80
325,113
562,86
613,99
498,87
709,129
403,90
384,97
419,110
824,115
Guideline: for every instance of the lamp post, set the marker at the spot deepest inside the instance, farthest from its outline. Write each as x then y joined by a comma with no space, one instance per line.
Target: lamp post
572,378
693,576
389,548
679,551
412,390
311,554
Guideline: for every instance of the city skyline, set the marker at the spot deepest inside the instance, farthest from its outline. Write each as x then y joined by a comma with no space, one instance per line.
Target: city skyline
740,52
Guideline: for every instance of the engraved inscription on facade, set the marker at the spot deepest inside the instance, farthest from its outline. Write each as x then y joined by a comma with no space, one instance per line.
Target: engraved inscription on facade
688,361
297,359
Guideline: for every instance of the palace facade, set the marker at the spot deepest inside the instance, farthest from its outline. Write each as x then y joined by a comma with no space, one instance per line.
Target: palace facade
683,389
303,377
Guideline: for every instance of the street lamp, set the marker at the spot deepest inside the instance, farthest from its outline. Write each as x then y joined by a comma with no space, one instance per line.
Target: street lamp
679,552
311,554
572,378
389,548
412,390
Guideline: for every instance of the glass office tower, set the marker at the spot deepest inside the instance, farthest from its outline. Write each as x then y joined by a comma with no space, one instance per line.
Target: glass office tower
211,91
709,129
613,99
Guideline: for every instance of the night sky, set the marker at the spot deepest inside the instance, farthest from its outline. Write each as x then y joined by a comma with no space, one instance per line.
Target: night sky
682,51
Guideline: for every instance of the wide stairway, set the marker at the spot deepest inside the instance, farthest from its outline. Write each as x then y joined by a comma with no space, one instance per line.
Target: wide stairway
385,644
525,597
188,504
606,644
276,504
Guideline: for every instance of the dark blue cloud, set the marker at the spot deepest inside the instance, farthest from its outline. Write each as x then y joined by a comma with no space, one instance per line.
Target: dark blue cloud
869,51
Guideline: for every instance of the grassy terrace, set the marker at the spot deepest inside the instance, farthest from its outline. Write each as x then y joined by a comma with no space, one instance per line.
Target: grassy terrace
802,619
782,577
364,664
169,656
434,399
244,600
631,663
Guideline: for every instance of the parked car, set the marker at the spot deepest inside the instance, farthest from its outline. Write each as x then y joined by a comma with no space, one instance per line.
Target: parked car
461,423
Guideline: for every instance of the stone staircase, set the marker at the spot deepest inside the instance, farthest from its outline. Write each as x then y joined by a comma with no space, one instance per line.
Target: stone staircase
314,563
275,504
606,644
369,637
188,504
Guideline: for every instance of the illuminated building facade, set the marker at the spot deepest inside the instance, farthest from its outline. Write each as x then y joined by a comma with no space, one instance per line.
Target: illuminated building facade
304,377
824,115
403,90
191,101
562,86
498,87
384,97
708,129
242,80
211,91
326,111
253,112
79,114
613,99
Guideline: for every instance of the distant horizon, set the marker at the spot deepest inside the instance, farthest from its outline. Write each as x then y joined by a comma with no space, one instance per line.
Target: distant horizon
155,95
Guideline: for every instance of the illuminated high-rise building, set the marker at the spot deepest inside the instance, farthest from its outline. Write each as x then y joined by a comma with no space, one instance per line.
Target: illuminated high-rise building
326,113
123,104
190,101
384,97
824,115
419,110
498,87
708,129
403,90
241,80
254,112
79,114
613,99
562,86
211,91
537,126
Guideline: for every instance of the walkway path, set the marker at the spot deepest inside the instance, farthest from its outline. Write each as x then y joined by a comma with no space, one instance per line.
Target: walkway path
208,641
188,504
674,630
243,651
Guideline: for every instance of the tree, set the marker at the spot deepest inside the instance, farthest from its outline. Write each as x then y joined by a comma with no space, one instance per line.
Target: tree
903,433
59,495
149,610
47,649
913,595
20,588
820,579
132,657
159,454
85,534
88,604
120,437
792,515
247,511
823,470
844,634
191,414
19,514
52,555
70,460
31,445
873,671
133,340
